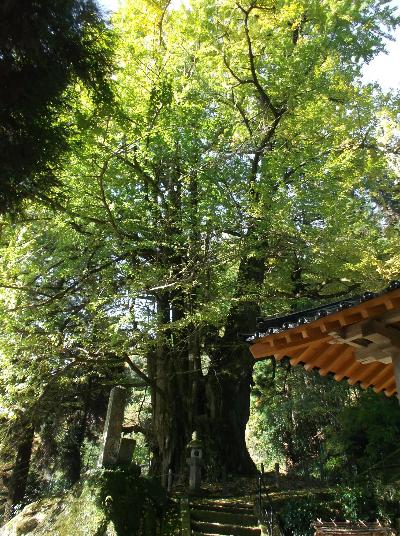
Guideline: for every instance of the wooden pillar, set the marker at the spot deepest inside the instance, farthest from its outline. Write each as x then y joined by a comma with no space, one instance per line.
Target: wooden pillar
396,370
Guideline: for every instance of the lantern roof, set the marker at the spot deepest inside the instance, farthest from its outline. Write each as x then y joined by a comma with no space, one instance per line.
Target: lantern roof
195,443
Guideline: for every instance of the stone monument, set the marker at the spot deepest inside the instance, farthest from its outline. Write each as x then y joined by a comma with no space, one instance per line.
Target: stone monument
113,428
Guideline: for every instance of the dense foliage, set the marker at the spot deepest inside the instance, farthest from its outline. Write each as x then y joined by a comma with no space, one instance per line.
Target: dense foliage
245,170
318,428
46,49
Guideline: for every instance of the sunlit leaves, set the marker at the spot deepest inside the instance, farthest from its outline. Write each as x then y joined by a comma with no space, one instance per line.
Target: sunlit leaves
242,131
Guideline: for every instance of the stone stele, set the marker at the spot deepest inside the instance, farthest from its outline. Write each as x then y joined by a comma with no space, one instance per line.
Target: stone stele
113,427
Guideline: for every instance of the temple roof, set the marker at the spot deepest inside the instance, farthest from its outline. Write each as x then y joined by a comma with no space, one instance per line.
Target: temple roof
353,339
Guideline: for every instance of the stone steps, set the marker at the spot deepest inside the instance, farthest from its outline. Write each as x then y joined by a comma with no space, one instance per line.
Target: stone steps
244,508
226,518
206,527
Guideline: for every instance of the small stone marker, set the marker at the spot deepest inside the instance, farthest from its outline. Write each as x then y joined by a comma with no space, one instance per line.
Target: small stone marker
195,462
126,449
113,427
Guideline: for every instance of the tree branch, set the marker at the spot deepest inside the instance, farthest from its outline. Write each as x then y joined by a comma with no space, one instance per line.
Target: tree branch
143,376
240,109
76,284
264,97
234,75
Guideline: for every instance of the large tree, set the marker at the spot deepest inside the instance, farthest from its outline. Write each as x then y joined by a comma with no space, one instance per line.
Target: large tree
236,180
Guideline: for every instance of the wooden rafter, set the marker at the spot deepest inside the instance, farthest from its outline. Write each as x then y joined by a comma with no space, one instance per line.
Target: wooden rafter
358,343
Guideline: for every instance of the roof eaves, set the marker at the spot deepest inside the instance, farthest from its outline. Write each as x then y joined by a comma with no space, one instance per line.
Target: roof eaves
275,324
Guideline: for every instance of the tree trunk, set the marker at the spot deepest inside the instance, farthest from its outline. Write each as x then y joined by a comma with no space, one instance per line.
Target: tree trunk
228,405
75,436
230,377
171,402
72,448
19,477
218,404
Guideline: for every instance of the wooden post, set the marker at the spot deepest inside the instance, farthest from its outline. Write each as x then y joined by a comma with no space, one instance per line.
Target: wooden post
396,370
277,479
170,479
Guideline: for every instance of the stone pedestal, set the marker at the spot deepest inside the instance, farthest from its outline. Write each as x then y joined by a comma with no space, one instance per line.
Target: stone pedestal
194,473
113,428
126,450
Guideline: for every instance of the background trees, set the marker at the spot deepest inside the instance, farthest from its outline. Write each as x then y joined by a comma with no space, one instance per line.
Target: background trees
236,177
47,48
316,427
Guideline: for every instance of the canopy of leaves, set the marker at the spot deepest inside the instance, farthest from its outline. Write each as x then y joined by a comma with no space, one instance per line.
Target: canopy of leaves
244,136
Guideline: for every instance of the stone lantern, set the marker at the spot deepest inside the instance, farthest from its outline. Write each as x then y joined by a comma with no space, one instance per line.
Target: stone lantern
195,462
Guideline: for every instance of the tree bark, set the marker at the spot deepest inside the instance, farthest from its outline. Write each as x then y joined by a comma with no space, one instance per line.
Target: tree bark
218,404
171,417
16,486
72,455
230,377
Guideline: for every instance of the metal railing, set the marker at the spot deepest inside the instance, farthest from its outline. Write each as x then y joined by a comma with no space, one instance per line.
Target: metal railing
267,514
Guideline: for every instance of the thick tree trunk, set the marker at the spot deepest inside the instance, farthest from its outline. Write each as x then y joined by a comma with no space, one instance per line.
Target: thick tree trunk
19,477
228,405
230,377
218,404
72,448
170,418
171,402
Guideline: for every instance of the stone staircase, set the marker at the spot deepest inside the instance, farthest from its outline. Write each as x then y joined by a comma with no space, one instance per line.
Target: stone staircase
226,517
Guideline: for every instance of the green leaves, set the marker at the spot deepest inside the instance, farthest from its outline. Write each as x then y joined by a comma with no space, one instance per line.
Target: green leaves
45,49
242,133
